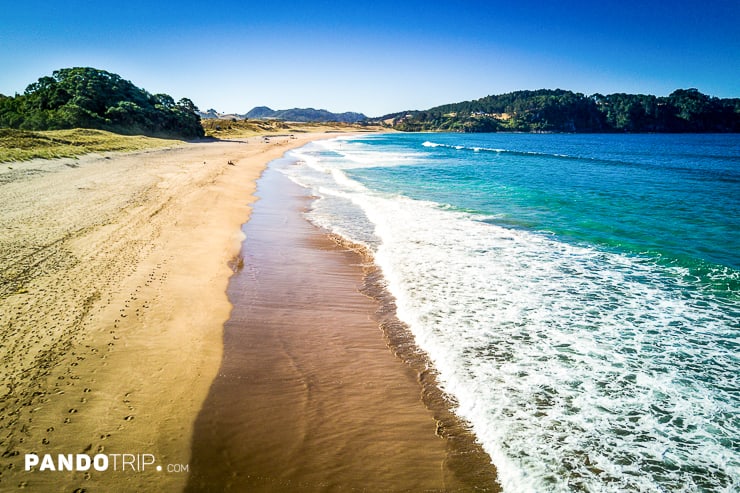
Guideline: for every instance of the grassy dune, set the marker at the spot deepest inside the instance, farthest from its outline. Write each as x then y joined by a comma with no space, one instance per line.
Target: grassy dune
22,145
225,129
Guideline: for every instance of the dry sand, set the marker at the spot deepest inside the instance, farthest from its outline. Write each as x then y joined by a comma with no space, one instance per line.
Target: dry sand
113,271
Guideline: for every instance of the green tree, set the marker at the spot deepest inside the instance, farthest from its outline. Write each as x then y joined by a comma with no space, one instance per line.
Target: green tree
91,98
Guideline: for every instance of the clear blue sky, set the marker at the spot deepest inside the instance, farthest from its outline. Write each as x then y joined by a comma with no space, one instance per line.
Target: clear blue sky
376,56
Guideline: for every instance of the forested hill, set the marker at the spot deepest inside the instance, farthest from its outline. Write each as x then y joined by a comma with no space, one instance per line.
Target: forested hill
84,97
684,110
304,115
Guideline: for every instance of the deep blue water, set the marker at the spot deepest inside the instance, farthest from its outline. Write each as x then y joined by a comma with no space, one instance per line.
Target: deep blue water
578,294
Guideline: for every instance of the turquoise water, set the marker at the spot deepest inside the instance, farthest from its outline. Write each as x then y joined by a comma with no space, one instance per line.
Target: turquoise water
578,294
654,194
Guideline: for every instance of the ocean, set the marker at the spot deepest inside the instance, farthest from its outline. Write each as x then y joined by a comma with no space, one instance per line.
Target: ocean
578,295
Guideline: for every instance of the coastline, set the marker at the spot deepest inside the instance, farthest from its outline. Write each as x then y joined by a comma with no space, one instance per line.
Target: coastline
129,356
112,306
309,396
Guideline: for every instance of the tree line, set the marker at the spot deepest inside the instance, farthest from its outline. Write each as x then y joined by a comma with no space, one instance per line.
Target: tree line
545,110
84,97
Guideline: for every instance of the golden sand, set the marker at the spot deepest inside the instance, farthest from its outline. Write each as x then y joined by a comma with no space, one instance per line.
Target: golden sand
112,303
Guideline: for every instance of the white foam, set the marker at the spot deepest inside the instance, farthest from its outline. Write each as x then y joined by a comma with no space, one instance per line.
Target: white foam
358,155
577,368
540,341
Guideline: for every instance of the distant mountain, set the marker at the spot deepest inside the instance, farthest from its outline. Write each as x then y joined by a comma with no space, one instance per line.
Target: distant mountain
545,110
215,115
211,113
304,115
260,112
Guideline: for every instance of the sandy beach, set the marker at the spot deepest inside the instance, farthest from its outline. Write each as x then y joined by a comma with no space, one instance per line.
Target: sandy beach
112,303
309,397
113,308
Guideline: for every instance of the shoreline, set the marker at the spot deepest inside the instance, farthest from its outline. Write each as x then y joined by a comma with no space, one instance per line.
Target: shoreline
306,377
125,358
308,396
465,457
114,271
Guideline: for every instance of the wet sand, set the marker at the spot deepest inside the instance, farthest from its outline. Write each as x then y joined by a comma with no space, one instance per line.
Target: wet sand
309,397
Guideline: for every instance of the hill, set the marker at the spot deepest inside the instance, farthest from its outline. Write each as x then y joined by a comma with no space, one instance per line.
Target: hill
546,110
215,115
304,115
84,97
